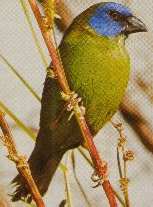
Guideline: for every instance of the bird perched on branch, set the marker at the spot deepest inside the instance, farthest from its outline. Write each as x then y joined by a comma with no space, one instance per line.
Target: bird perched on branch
97,68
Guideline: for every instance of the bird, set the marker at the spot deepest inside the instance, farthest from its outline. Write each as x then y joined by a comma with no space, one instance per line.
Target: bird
97,67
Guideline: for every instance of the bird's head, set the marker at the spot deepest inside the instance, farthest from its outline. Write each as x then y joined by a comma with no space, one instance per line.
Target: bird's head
111,19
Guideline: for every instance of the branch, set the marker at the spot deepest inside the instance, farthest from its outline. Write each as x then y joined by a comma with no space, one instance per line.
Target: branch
73,160
20,161
36,40
68,194
146,87
65,13
4,201
99,165
141,126
21,125
83,154
19,76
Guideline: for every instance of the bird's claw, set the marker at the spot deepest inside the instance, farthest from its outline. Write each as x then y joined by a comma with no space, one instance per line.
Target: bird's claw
83,109
51,73
74,99
71,115
96,179
46,24
97,185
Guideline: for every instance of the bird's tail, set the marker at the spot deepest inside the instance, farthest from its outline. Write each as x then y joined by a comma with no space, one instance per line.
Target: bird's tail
43,164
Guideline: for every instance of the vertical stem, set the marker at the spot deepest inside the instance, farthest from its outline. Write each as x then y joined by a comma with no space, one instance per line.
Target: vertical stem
26,12
58,67
27,130
77,179
100,166
67,185
25,83
119,163
123,175
20,161
126,193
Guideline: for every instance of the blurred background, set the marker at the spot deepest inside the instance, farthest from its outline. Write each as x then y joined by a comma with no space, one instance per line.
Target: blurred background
18,51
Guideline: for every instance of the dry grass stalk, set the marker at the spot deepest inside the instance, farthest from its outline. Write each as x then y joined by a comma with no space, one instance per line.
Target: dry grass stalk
127,155
20,161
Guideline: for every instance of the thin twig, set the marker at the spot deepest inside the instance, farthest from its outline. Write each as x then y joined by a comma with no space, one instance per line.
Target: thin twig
141,126
65,13
100,166
81,151
127,155
4,200
121,147
77,180
119,198
67,184
27,15
146,87
27,130
119,163
20,161
17,74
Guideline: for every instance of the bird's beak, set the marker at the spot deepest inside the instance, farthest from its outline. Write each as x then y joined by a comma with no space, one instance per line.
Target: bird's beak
133,25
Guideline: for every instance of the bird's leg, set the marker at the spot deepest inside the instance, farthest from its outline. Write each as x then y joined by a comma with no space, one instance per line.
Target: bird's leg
83,109
96,179
51,73
46,24
100,179
72,100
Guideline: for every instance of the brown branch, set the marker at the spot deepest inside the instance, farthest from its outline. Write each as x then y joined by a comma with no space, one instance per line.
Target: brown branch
135,118
65,13
100,166
147,88
20,161
4,201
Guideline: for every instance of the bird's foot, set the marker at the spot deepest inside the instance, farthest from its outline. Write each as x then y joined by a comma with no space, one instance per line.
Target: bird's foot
96,179
83,109
51,73
100,177
46,24
71,115
73,99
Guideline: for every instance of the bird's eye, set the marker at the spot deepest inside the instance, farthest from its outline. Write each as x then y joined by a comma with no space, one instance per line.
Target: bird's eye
114,14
